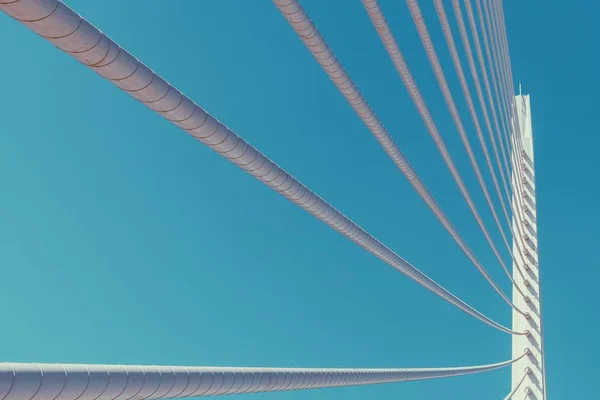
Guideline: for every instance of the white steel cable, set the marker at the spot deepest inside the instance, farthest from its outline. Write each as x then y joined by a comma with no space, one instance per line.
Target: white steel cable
457,61
509,116
20,381
517,158
508,99
508,82
466,44
486,84
504,96
487,43
443,84
512,392
432,55
460,72
441,12
503,77
520,245
494,67
301,23
381,26
517,138
67,30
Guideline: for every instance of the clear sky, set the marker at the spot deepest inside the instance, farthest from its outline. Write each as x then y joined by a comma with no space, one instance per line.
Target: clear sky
123,240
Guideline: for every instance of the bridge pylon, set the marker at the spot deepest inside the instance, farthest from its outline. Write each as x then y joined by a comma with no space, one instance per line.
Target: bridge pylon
526,259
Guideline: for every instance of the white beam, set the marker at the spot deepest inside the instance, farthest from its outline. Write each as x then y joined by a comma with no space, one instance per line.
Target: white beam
532,386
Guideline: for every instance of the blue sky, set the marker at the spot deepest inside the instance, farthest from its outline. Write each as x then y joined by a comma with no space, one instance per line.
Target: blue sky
123,240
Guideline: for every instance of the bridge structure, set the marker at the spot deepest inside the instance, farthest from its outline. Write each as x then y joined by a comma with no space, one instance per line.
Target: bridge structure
506,126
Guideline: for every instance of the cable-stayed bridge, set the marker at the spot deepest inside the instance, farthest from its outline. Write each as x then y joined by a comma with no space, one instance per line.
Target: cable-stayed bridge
504,134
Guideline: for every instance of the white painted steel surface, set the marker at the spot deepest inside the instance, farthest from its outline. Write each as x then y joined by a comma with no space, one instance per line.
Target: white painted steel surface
526,222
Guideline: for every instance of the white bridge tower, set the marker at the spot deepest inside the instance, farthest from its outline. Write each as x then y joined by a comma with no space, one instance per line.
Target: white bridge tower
528,373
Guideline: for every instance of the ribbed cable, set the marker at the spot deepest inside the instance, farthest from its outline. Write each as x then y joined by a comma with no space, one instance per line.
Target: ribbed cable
19,381
458,66
381,26
441,12
486,84
512,392
502,133
443,84
520,244
467,94
475,76
520,153
489,41
504,65
515,140
429,47
463,33
498,55
517,154
305,29
71,33
506,100
509,99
